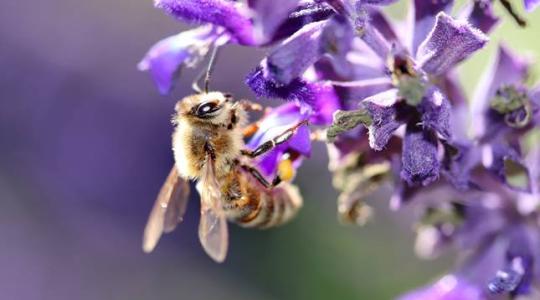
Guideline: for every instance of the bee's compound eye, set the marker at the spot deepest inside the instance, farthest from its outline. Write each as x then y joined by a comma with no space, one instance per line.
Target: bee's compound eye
206,108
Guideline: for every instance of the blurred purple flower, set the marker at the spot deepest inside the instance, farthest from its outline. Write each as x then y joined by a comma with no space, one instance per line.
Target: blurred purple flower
492,216
449,287
480,14
505,110
530,5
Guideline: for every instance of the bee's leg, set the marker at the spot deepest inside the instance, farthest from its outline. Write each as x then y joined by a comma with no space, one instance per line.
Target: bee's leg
210,150
278,140
250,129
260,178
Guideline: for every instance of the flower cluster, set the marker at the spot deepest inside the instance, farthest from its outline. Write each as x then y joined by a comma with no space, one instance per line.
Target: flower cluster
388,97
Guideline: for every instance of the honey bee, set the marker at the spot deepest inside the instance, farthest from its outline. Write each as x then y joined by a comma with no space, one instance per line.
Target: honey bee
208,147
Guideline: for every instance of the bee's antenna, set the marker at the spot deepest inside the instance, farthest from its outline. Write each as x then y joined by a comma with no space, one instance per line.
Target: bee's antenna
211,64
205,73
195,85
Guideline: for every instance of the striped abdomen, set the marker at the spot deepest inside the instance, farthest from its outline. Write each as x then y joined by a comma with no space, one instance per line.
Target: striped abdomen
253,205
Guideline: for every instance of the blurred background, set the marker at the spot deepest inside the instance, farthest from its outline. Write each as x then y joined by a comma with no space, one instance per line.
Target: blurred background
85,147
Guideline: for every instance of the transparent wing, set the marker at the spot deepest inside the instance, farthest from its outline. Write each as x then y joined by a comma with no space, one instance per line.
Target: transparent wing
213,231
168,209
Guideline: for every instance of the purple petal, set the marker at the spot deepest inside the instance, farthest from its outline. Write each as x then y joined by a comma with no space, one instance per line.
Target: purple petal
435,110
372,37
431,240
419,159
336,42
303,14
350,92
452,88
425,13
318,95
326,103
480,15
290,59
506,163
342,7
516,274
166,57
218,12
449,42
533,161
383,112
379,21
459,160
376,2
530,5
269,15
450,287
506,69
403,194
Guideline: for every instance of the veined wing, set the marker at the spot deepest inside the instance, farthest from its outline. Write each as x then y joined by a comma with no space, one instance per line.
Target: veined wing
168,209
213,231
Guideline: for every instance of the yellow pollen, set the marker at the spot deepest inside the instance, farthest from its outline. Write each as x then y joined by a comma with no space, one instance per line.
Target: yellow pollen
286,170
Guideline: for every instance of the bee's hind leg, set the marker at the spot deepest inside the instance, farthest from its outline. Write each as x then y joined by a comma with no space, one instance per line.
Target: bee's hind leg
260,178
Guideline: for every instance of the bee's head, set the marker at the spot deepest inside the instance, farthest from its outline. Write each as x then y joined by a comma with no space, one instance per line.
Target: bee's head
212,107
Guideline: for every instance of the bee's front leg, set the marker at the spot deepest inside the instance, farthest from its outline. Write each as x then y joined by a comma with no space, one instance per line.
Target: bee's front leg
278,140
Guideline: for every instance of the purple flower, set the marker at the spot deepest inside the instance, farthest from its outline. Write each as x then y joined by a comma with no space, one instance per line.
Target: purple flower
415,101
165,59
505,110
495,226
449,287
420,161
480,15
425,15
253,24
449,42
331,38
507,69
222,13
291,59
530,5
318,95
